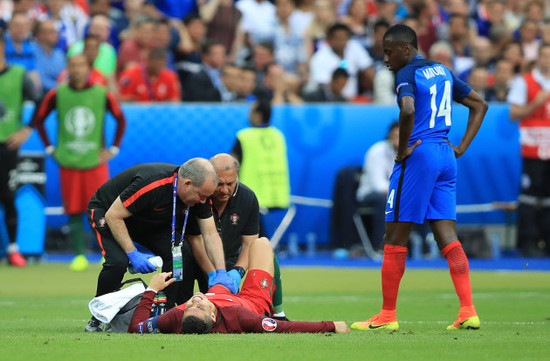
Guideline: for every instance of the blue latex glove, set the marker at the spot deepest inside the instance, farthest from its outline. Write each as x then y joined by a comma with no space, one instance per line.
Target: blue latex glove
235,277
211,276
140,262
221,278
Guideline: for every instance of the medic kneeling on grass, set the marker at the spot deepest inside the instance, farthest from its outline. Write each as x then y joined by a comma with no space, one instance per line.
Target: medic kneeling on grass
220,311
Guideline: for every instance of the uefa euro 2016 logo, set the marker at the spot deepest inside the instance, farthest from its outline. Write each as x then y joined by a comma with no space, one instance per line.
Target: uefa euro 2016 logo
269,324
80,121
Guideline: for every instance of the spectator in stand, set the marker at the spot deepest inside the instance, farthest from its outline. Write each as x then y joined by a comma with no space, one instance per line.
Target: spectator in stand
206,85
125,20
387,10
513,53
103,7
323,18
529,42
35,10
332,92
262,56
192,37
105,62
535,10
221,18
345,53
258,22
459,38
167,36
376,50
356,19
90,52
495,17
302,16
247,84
288,43
478,80
482,54
231,78
175,10
20,50
279,87
545,31
150,82
504,75
425,11
70,21
383,87
442,52
136,49
50,60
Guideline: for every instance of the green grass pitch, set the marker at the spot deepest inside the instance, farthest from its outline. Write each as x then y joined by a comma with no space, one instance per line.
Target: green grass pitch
43,311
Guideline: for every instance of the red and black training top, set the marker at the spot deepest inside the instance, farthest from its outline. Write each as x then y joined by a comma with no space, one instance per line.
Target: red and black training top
146,190
230,319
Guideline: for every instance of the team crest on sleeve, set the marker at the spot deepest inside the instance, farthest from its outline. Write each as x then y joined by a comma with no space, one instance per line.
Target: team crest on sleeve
102,222
264,284
234,219
269,324
401,85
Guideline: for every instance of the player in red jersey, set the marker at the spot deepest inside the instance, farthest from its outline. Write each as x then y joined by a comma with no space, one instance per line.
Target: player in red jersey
219,311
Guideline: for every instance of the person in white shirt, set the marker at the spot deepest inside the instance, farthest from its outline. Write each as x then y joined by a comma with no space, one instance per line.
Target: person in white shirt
342,52
375,180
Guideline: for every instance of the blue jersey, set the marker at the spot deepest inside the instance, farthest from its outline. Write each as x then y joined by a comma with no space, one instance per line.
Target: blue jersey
433,87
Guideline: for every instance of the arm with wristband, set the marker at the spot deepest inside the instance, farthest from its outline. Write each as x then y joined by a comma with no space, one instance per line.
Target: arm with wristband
239,270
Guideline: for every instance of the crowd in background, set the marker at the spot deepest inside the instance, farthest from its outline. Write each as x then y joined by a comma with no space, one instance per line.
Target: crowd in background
290,51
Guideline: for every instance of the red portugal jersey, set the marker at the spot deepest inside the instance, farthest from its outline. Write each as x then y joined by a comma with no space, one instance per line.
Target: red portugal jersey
134,84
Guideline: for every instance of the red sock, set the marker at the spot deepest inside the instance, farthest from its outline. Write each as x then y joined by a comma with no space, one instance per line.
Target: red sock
393,268
458,266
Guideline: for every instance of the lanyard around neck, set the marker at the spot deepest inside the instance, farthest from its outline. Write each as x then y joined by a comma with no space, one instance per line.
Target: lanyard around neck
174,214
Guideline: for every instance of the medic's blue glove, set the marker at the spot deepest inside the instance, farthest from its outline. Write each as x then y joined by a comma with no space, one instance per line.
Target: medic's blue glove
211,276
140,262
221,278
235,276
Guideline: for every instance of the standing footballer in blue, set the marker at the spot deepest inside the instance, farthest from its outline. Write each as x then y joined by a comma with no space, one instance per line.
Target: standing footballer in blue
423,182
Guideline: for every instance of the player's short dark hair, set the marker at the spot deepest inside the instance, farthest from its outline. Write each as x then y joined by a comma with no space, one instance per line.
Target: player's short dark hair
263,106
338,27
402,33
339,73
197,170
194,325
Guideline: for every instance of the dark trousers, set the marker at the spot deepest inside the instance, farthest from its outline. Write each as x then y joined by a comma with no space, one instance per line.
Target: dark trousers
8,164
534,208
116,261
376,201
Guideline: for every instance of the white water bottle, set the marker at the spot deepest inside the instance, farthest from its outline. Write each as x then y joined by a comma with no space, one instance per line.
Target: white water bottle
155,261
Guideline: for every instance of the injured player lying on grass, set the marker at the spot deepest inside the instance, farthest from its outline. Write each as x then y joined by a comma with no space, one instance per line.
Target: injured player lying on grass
219,311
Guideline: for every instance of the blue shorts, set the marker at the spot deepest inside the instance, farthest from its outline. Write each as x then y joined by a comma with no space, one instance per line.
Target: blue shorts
423,186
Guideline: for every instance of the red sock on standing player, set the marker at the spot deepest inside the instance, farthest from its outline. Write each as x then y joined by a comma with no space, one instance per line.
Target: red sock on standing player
460,274
393,268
